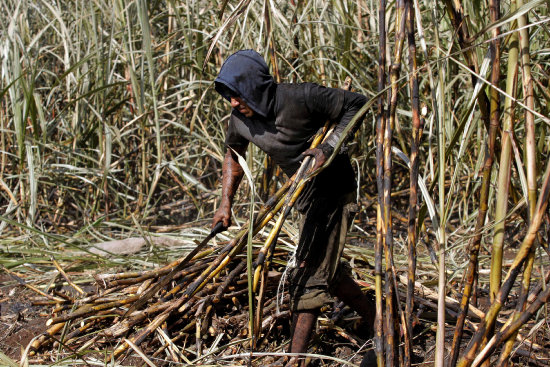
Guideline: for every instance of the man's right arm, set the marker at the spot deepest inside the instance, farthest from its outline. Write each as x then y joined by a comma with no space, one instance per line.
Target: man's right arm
232,173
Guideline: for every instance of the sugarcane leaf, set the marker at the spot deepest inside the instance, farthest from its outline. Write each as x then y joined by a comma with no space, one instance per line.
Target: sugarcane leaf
240,8
520,170
510,17
425,194
187,177
469,112
248,175
246,170
4,359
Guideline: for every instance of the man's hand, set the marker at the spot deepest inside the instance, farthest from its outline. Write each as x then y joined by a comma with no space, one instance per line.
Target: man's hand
223,214
320,154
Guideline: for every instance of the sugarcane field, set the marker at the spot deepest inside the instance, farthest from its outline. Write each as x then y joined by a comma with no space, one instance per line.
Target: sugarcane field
274,183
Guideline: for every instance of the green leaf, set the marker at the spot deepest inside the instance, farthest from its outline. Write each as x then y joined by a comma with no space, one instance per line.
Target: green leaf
7,361
509,17
249,265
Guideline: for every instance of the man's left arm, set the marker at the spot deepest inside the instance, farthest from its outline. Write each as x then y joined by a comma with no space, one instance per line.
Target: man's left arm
351,105
340,106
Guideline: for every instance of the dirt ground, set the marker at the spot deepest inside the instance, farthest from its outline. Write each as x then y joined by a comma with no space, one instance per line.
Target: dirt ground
20,321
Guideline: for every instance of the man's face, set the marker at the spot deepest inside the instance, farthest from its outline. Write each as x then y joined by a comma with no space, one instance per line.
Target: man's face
241,106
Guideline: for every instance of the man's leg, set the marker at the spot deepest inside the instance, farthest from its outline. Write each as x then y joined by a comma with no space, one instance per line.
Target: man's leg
303,323
322,238
349,292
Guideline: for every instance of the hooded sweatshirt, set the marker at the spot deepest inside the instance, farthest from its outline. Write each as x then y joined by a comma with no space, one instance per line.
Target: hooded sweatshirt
286,118
246,74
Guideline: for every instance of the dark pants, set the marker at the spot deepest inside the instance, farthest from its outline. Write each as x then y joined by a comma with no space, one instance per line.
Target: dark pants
322,238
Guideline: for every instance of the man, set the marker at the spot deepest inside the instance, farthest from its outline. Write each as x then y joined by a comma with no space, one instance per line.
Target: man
281,119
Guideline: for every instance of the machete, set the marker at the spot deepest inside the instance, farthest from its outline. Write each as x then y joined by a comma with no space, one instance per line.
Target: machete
168,277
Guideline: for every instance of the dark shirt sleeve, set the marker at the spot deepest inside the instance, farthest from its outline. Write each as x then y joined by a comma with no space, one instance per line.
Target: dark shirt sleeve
325,101
337,105
232,137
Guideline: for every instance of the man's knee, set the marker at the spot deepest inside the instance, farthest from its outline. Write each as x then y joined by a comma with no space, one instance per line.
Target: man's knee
304,299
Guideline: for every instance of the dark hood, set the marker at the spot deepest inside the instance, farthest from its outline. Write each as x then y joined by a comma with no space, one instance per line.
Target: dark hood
246,74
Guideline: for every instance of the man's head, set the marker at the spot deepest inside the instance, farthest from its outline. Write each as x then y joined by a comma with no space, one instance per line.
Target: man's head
244,80
241,106
237,102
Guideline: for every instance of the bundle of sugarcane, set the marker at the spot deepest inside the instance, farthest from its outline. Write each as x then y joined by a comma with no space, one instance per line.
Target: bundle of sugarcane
217,310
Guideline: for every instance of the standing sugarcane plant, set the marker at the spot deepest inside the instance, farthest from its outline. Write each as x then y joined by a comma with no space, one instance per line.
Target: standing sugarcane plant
393,309
504,166
417,127
442,238
380,220
475,244
530,165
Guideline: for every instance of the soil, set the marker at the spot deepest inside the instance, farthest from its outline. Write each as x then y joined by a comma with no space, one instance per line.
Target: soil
20,321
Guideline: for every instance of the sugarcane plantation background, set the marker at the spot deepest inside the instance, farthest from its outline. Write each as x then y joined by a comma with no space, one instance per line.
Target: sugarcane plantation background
112,140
